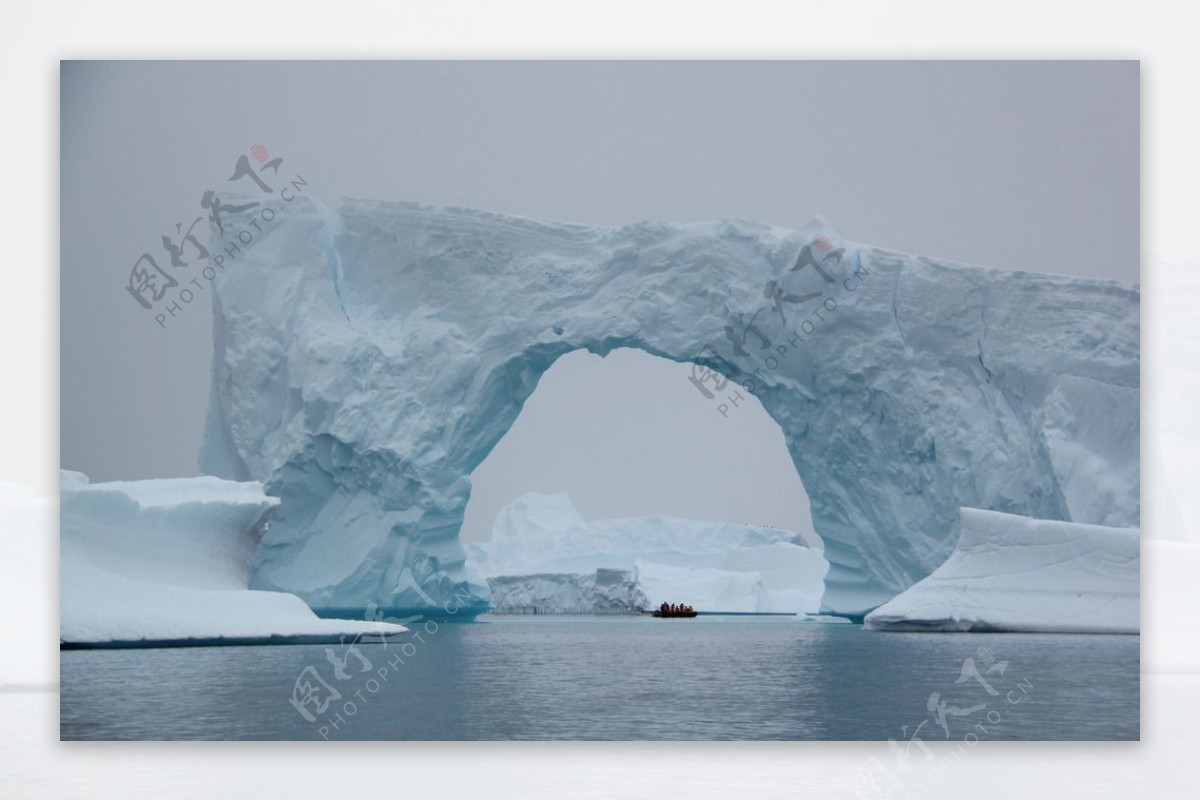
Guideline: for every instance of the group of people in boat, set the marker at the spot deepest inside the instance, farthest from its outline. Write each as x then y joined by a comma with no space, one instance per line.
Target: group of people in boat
676,609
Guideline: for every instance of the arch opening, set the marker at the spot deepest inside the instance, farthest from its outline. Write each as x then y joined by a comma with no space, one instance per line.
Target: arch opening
617,465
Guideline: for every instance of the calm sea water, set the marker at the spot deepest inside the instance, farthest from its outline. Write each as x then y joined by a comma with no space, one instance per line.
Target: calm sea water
618,678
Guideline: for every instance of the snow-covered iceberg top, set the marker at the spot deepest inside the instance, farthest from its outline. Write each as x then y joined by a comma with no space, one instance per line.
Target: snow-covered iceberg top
563,560
367,360
167,561
1013,573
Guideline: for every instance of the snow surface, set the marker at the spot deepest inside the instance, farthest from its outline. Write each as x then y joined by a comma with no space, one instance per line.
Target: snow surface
1013,573
365,362
169,560
544,555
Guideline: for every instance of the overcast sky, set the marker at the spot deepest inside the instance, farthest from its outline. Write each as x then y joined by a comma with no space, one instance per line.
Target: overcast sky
1024,165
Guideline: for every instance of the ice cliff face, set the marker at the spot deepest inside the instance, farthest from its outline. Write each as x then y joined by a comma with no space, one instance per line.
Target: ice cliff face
604,592
1012,573
198,532
365,364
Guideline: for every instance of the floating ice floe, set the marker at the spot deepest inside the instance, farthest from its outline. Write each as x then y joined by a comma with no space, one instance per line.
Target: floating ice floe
167,562
1013,573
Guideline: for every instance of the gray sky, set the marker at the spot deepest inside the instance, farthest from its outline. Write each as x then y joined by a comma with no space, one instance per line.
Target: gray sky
1024,165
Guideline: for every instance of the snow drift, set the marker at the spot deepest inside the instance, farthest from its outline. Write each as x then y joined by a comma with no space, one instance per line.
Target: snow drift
1012,573
545,556
168,561
366,362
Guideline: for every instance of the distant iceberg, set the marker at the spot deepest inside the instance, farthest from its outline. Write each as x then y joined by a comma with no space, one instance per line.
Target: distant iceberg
603,592
167,561
1013,573
545,556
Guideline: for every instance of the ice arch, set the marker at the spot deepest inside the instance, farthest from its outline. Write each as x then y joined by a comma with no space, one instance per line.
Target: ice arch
366,362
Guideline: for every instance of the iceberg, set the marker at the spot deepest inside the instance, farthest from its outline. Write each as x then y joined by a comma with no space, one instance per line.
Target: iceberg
167,562
768,590
544,533
545,557
366,360
604,592
1013,573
